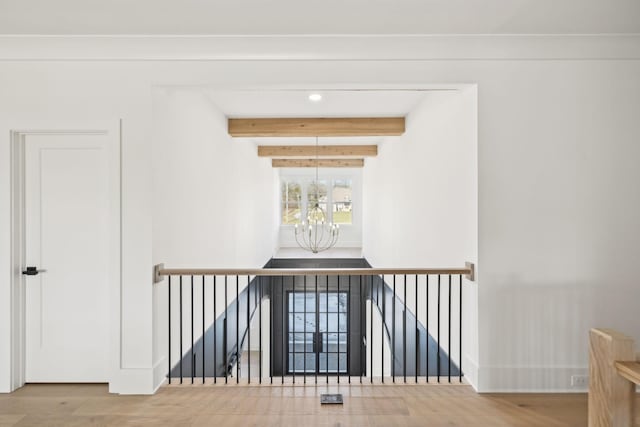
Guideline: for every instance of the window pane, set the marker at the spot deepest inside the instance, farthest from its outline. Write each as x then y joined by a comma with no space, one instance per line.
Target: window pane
342,322
323,322
322,299
299,319
299,343
343,343
342,206
323,362
291,322
333,362
299,367
291,194
298,303
333,302
311,302
331,321
343,362
308,344
342,303
330,343
317,195
311,322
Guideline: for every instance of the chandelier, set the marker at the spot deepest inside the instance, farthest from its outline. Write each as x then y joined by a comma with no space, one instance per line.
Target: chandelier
316,234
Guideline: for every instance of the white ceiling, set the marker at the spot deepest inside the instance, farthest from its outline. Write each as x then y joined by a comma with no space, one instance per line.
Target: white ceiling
334,103
262,17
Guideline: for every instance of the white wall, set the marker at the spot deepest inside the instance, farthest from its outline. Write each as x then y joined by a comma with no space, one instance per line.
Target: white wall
420,209
557,171
69,97
350,234
215,206
215,200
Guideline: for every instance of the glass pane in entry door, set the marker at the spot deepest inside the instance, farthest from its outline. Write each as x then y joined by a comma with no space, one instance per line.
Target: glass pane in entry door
302,327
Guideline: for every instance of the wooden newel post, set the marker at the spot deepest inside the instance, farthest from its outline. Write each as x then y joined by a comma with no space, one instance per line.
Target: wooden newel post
611,397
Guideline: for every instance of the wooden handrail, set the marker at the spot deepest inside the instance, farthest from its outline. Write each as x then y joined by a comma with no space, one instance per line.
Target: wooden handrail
468,271
629,370
306,271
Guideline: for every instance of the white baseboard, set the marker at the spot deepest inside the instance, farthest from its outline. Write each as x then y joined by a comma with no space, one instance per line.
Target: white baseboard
470,370
134,381
529,379
159,373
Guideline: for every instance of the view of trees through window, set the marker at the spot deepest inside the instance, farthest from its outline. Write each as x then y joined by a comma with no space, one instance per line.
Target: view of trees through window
333,196
291,199
341,201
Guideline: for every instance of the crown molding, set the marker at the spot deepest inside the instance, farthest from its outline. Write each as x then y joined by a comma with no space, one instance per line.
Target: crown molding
319,48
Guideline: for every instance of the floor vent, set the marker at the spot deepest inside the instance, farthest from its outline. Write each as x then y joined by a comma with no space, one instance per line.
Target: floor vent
331,399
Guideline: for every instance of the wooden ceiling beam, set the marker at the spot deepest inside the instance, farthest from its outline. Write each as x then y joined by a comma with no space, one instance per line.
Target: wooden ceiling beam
339,126
322,150
322,163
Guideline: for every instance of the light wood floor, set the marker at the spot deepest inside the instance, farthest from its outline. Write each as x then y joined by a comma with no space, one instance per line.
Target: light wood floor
365,405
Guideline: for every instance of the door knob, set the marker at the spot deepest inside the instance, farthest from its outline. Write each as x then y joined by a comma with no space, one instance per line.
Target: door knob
32,271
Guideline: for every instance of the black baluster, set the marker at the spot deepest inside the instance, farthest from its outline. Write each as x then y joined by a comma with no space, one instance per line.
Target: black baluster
316,353
271,346
304,325
260,327
193,357
181,354
225,344
438,340
404,330
348,331
237,332
370,344
285,338
361,332
292,327
426,345
248,330
326,332
169,299
460,336
449,333
338,347
215,334
393,331
381,289
417,342
204,333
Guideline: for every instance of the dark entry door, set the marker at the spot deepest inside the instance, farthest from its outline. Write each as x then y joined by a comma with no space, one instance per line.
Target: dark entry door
317,332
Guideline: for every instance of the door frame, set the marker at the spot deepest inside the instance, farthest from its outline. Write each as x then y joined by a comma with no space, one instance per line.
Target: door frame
112,129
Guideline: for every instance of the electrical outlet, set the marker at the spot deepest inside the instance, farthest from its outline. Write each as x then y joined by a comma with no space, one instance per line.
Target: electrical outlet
580,381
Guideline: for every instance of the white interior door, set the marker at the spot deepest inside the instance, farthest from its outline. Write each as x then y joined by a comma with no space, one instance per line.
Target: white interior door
67,234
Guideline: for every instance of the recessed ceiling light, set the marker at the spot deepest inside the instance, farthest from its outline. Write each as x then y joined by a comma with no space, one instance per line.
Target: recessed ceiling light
315,97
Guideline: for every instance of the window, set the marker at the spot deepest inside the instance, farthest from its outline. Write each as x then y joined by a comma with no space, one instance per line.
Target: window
291,200
300,194
341,198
